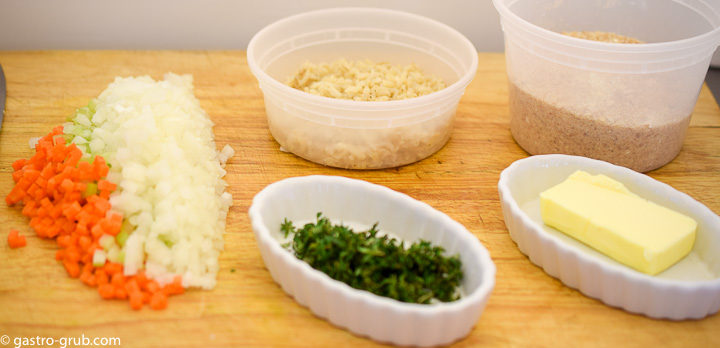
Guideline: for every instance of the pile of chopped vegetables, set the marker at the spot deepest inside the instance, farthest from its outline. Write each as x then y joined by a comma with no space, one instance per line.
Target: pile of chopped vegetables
132,190
379,264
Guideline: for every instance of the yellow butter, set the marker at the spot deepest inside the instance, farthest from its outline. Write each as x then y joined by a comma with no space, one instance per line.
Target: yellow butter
605,215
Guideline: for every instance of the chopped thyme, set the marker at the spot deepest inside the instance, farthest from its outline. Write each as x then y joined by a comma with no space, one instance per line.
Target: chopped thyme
378,264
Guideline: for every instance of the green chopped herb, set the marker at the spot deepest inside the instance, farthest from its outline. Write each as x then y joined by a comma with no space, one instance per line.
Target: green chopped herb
378,264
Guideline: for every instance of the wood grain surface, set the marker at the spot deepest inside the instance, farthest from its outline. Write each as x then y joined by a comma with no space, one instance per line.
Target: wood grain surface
527,308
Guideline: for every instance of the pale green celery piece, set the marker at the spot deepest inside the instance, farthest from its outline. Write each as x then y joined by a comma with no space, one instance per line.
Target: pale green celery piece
78,140
68,138
83,120
166,240
106,241
90,189
125,230
90,156
83,110
115,254
81,131
84,149
92,105
96,145
112,254
99,258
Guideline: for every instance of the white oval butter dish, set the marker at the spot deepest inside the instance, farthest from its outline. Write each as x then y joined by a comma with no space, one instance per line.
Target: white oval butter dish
690,289
360,204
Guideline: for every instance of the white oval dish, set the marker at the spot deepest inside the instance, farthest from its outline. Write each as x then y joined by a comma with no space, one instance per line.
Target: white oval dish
688,290
360,204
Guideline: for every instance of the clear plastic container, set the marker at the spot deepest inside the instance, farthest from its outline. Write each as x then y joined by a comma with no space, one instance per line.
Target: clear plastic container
628,104
360,134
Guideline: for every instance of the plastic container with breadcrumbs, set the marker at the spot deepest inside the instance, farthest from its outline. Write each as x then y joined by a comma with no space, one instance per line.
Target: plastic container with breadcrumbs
625,103
361,134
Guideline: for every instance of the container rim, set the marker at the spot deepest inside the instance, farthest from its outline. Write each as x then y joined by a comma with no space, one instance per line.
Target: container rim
447,92
710,37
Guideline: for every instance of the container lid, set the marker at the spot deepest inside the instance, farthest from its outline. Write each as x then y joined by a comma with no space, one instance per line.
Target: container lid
614,57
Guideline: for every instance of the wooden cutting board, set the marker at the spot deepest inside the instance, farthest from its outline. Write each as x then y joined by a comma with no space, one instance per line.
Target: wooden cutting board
527,308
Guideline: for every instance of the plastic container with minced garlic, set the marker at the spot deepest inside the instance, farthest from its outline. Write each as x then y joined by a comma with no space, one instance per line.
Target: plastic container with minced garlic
626,103
361,134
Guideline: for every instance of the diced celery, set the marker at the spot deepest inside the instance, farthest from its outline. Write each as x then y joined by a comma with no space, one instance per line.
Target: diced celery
99,258
92,105
68,138
96,145
83,120
98,119
84,111
78,140
106,241
114,254
90,189
122,237
165,239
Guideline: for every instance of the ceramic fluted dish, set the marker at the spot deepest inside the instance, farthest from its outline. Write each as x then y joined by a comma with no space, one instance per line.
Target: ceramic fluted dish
359,204
690,289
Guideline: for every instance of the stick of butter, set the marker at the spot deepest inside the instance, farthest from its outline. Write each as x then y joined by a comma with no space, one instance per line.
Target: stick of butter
605,215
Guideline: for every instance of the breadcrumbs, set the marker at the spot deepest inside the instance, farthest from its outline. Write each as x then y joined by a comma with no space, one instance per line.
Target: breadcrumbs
364,80
602,36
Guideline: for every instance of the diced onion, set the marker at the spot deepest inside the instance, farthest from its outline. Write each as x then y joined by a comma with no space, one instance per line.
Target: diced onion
160,146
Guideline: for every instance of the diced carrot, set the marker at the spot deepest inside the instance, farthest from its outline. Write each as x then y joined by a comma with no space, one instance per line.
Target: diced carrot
57,130
63,241
52,186
72,253
67,185
29,208
112,268
158,301
174,288
85,242
117,279
17,175
67,227
101,277
120,292
106,185
73,268
97,231
47,172
152,286
107,291
88,278
136,300
52,232
79,186
102,205
17,165
24,183
16,240
73,210
141,279
55,212
31,190
86,170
